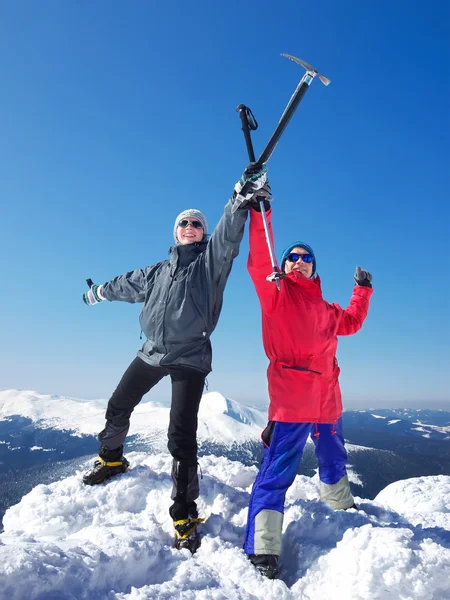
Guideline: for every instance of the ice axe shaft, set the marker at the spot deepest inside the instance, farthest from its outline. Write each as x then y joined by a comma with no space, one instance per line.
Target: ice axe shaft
292,105
289,111
244,112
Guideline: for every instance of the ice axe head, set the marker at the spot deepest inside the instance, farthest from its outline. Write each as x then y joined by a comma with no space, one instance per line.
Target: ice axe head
309,68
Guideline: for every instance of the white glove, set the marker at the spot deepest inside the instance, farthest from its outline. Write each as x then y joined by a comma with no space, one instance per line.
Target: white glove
251,184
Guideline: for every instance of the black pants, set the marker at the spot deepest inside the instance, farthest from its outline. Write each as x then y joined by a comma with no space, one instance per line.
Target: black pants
187,389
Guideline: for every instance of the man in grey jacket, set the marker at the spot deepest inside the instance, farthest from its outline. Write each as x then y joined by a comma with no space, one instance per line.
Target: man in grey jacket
182,300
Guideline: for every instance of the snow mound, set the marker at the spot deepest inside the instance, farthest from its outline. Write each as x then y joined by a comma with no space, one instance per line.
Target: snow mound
424,500
114,541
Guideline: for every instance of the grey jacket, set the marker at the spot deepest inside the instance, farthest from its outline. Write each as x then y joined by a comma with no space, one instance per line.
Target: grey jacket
183,296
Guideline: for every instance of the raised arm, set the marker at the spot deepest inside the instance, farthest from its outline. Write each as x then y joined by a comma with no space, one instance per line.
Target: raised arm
223,246
259,265
353,316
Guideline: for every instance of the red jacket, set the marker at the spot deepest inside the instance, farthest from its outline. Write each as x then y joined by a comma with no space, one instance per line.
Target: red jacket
300,332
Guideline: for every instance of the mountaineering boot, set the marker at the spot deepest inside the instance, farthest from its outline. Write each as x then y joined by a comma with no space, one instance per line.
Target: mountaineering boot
187,535
267,564
184,509
109,464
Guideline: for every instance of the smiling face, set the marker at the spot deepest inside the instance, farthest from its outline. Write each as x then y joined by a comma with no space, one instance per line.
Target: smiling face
189,234
305,269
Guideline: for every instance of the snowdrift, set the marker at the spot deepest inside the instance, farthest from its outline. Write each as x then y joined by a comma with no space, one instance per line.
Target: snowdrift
113,541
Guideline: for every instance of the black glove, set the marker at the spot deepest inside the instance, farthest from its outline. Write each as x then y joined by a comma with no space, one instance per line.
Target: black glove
363,277
263,194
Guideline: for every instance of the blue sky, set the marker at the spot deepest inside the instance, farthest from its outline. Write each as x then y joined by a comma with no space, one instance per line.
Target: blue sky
116,116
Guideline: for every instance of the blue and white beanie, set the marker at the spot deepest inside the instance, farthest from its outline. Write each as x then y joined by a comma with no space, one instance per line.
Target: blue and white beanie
308,249
190,213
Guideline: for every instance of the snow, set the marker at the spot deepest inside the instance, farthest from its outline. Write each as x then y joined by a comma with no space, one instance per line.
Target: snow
444,430
220,419
66,540
57,412
378,417
426,433
394,421
357,448
422,500
353,476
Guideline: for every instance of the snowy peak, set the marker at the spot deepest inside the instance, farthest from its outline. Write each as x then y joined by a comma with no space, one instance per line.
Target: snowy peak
52,411
226,421
214,402
220,420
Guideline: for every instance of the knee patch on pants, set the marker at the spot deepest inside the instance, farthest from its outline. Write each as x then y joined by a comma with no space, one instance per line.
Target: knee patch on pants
268,527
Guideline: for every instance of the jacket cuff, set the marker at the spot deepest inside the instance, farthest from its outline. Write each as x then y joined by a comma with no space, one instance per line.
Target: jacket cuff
99,292
255,216
363,290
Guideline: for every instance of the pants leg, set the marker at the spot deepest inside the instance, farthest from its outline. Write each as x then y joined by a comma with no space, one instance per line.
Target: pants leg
332,458
137,380
187,390
282,453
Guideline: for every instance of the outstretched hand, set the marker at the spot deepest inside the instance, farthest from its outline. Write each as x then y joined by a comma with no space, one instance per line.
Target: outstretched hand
93,295
363,278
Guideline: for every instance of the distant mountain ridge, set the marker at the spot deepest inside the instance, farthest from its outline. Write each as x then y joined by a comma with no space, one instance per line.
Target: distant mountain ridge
43,438
425,423
220,420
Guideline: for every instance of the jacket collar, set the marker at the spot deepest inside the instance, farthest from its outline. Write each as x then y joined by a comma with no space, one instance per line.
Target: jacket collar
312,285
182,256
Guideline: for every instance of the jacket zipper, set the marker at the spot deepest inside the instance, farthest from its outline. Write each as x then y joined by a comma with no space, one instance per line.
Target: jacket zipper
171,276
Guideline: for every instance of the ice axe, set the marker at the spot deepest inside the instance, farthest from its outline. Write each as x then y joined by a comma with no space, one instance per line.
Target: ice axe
249,122
289,111
292,105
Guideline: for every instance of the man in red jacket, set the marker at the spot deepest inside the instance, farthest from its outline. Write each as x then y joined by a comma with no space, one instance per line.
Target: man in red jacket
300,332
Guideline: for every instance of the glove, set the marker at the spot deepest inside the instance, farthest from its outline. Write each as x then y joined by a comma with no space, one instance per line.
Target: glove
93,296
263,194
363,277
251,184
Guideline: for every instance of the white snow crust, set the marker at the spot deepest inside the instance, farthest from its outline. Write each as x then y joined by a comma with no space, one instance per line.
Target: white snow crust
67,541
114,541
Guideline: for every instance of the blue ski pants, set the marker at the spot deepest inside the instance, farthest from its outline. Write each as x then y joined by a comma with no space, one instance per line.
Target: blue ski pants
284,444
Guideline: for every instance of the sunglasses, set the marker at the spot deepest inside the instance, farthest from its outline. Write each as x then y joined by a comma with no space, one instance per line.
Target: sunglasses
294,257
186,222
